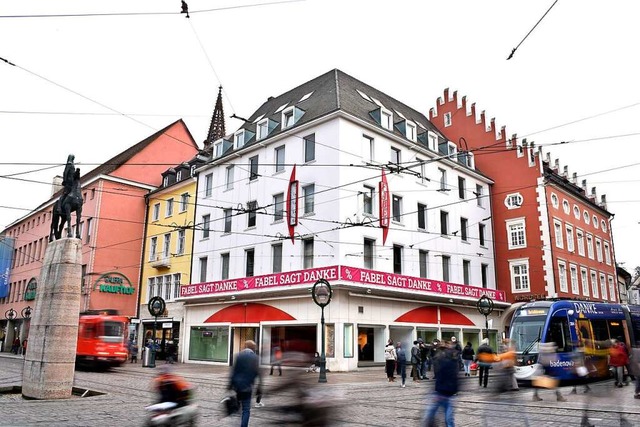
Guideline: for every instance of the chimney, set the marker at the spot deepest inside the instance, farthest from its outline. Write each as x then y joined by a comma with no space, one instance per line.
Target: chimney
593,196
574,178
556,166
524,142
565,171
584,186
56,184
548,158
603,201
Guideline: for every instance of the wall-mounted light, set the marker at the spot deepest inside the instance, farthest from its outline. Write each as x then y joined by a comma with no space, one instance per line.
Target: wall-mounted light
368,291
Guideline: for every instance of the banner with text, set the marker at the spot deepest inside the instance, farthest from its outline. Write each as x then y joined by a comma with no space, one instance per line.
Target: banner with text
342,273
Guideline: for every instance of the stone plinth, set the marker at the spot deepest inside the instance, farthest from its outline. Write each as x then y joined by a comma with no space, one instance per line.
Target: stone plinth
53,336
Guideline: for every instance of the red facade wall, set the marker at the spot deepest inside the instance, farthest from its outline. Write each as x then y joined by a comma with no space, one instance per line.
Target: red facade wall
512,174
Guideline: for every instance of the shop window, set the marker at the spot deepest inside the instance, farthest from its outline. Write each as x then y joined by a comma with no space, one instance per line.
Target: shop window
348,340
209,343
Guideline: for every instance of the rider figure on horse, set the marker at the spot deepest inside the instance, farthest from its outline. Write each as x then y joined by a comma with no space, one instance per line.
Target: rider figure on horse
67,178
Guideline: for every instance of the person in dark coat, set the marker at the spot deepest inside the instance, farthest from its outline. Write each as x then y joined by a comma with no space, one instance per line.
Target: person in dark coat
415,361
244,374
467,357
486,357
401,356
446,369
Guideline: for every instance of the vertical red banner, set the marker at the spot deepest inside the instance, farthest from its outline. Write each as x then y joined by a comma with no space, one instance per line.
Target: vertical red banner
384,207
292,204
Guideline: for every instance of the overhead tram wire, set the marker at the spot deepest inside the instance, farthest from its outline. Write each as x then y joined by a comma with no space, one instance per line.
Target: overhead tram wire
530,31
191,12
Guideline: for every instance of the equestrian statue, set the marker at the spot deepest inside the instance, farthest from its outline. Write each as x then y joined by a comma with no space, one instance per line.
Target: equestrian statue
70,201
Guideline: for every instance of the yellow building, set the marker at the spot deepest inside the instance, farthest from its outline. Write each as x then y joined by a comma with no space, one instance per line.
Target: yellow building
166,261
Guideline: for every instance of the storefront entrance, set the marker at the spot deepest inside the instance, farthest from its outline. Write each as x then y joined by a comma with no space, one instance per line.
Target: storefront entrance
238,337
167,338
371,344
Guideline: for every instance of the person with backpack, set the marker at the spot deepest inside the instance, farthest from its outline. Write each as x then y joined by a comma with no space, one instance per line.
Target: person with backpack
415,362
424,358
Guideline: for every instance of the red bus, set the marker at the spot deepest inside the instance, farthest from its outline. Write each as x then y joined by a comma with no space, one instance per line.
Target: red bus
102,339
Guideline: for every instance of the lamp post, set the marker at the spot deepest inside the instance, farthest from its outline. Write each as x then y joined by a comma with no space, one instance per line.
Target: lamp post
156,307
321,293
485,307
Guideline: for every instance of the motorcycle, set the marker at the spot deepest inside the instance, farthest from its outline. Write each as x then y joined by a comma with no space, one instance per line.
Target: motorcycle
169,414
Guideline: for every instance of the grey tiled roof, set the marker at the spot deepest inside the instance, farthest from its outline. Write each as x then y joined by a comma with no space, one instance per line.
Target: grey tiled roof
332,91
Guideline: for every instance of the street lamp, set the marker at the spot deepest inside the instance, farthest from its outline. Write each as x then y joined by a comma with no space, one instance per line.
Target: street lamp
485,307
321,293
156,307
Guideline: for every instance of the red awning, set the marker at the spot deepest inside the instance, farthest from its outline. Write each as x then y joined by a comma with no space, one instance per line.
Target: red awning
248,313
429,314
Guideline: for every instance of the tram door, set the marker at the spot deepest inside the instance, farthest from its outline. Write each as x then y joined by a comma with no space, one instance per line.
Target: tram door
238,337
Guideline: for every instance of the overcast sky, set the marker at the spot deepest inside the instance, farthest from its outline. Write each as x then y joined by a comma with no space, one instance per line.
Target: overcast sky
95,85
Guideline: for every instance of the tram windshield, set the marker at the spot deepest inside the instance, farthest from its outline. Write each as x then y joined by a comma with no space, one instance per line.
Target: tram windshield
112,331
526,333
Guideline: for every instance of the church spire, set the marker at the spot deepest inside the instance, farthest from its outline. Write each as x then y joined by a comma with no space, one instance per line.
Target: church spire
216,129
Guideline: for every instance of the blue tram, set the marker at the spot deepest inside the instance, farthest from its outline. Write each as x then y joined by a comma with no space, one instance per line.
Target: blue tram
581,331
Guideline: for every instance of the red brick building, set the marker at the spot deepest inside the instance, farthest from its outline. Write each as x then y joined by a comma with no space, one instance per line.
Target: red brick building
552,236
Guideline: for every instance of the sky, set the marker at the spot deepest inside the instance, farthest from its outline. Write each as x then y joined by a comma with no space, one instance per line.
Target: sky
97,83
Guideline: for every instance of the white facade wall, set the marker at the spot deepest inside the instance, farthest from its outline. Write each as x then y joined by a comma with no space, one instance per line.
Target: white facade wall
338,142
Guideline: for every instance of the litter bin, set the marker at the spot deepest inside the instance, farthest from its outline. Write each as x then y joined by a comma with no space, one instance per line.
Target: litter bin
148,358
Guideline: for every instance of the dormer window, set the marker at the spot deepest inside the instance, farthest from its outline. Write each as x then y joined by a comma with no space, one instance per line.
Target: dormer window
263,129
433,141
386,119
165,181
179,176
217,149
238,139
452,149
193,170
290,116
411,131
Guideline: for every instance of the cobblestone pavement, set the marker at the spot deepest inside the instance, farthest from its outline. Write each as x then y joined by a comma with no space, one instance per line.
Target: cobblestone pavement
363,398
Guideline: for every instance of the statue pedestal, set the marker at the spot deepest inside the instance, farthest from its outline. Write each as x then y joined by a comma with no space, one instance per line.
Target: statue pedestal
53,337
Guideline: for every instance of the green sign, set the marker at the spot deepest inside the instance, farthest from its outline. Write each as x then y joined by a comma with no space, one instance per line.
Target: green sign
30,292
114,283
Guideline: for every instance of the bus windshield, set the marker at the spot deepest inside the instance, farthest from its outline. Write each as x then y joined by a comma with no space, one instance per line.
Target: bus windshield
525,333
112,331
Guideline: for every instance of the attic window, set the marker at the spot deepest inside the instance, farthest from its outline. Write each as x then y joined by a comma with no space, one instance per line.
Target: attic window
585,216
263,129
364,95
386,118
411,131
282,107
304,98
290,116
217,149
193,170
433,141
165,181
179,176
238,139
576,211
452,149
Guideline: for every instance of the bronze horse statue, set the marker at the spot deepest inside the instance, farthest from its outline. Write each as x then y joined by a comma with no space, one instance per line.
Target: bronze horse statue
63,208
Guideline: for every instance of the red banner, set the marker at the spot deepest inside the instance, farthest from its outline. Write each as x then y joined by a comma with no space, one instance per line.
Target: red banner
343,274
384,207
292,204
278,280
419,284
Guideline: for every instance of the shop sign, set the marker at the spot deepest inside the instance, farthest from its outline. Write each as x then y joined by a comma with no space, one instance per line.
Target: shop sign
337,273
385,211
6,259
420,284
290,278
114,283
30,292
529,297
167,325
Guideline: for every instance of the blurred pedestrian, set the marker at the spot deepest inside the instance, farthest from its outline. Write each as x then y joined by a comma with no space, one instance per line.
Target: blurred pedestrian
547,355
276,359
485,359
401,358
458,350
446,369
315,366
415,362
390,360
618,359
244,373
16,345
424,358
507,362
432,354
467,357
24,347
